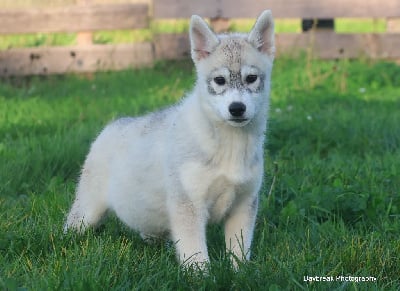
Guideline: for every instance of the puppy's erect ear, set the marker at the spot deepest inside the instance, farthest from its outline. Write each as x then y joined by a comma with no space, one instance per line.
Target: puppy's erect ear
262,34
202,40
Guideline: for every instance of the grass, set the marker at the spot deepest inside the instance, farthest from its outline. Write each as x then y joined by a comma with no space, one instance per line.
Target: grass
178,26
332,171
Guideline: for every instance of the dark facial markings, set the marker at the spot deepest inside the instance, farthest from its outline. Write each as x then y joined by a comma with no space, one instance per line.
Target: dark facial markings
211,89
260,86
236,82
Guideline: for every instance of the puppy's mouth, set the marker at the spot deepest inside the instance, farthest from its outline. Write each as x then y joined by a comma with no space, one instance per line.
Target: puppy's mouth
238,122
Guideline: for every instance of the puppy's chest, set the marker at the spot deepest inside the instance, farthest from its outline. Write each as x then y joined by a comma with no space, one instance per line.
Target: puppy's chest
237,164
229,185
221,195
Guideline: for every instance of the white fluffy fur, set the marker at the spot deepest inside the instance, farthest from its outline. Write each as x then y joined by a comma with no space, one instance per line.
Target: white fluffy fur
173,171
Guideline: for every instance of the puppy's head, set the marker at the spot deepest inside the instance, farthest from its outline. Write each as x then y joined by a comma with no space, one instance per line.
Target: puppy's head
233,70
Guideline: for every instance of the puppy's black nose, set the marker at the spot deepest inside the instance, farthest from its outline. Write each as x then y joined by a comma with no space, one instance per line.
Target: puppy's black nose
237,109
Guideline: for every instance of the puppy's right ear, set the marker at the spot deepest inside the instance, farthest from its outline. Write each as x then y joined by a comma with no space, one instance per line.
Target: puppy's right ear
202,40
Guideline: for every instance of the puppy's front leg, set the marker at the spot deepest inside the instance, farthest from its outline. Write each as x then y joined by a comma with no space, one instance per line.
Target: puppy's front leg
239,228
188,226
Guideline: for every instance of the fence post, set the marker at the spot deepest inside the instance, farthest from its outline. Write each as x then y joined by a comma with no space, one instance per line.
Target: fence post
220,24
84,37
393,25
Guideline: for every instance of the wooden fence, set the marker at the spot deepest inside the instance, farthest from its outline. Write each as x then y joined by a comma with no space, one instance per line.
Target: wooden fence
87,18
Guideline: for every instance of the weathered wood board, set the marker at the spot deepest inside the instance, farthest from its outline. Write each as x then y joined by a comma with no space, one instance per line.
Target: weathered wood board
280,8
74,18
323,44
76,59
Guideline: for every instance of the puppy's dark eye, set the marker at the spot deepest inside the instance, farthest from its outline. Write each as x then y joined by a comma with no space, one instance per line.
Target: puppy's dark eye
220,80
251,79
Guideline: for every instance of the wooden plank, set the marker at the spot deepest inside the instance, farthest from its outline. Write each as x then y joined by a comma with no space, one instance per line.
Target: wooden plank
325,45
74,18
280,9
328,45
60,60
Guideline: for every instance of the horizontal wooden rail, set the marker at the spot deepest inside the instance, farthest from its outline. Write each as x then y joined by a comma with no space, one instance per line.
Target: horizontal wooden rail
280,8
324,44
74,18
61,60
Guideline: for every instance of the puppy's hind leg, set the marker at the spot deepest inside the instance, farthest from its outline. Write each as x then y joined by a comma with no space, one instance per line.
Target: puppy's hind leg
90,204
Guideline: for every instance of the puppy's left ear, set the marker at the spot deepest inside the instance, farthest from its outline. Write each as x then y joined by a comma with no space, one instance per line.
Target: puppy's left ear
202,40
262,34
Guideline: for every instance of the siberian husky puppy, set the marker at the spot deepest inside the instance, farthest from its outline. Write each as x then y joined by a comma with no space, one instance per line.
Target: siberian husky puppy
176,170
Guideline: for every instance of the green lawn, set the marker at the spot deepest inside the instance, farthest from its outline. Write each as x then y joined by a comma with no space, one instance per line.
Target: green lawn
332,171
178,26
